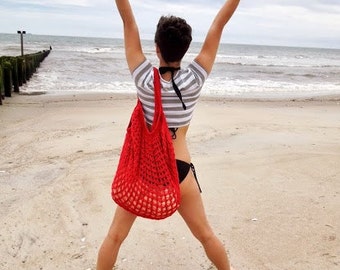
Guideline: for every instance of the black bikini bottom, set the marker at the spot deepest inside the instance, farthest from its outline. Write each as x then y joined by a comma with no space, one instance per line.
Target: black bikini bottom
183,170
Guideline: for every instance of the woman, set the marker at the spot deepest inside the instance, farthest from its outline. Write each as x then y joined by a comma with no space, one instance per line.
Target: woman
180,91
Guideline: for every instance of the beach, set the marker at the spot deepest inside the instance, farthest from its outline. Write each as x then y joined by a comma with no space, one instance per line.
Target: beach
269,171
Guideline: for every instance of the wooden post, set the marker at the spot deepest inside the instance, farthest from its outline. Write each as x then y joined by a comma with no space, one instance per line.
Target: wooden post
2,88
21,70
15,77
8,82
22,41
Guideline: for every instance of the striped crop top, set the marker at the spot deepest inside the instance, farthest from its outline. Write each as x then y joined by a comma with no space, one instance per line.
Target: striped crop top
189,81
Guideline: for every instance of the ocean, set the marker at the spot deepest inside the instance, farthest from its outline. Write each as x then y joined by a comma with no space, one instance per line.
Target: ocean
81,64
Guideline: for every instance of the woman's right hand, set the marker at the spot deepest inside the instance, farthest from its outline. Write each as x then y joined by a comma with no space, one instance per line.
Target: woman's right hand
206,57
133,48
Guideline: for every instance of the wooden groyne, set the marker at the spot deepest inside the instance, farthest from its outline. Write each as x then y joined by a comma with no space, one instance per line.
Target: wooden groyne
17,70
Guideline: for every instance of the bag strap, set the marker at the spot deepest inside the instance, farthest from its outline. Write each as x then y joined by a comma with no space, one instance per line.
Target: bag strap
157,95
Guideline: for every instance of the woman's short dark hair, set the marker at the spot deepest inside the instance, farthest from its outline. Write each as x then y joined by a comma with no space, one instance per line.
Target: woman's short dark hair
173,37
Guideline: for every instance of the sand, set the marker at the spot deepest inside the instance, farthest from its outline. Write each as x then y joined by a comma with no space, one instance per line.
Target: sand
269,170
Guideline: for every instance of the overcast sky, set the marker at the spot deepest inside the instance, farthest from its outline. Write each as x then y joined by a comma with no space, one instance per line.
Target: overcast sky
312,23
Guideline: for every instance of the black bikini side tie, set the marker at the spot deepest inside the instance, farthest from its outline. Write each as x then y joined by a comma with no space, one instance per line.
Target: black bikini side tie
163,70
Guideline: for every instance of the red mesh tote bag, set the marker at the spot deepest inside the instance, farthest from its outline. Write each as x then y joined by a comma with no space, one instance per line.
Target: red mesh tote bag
146,181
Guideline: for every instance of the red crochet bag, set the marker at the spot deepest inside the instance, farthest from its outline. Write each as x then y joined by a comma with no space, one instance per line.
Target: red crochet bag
146,181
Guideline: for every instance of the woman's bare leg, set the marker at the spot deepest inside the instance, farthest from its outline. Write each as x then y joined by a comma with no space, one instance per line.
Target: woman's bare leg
119,229
193,213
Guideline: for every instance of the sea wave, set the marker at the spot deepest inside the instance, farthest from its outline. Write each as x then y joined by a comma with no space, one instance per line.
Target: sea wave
99,65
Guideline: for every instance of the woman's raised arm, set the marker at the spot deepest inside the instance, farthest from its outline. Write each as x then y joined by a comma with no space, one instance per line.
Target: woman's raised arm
133,48
206,57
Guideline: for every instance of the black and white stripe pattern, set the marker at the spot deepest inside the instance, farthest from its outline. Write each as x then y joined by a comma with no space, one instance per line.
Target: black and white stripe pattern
189,81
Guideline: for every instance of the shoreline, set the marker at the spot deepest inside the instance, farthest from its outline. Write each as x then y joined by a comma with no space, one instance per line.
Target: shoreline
269,171
38,95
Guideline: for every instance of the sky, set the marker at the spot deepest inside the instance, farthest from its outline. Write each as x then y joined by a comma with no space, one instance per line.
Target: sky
301,23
